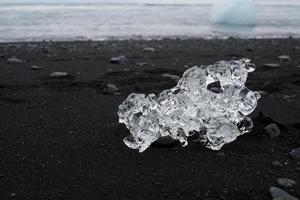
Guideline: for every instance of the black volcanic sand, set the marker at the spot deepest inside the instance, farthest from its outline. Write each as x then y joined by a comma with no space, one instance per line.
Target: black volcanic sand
60,137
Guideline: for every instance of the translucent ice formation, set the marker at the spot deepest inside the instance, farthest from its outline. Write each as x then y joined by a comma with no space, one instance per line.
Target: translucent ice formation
209,100
236,12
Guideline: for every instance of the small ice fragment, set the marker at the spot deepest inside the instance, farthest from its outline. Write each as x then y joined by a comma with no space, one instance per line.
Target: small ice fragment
218,116
58,74
272,130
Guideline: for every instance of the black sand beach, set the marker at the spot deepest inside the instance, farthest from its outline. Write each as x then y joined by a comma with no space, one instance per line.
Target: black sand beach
60,137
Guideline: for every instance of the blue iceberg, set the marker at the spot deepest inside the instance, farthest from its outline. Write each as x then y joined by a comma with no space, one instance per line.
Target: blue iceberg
234,12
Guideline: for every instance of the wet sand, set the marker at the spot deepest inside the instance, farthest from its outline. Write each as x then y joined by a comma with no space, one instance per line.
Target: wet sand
60,137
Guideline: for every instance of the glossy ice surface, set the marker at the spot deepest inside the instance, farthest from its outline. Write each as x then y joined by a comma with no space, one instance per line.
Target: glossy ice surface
211,101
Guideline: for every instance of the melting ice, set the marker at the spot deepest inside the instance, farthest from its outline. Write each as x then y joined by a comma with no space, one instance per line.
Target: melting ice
211,101
236,12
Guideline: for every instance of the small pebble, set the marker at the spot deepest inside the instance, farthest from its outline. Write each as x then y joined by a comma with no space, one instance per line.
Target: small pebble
58,74
295,153
12,194
272,130
279,194
35,67
157,184
271,172
285,58
285,182
271,65
296,48
119,60
14,60
111,88
222,154
250,48
288,97
148,49
143,64
171,76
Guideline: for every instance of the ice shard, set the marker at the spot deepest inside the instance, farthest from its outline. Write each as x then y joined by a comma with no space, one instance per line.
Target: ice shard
209,101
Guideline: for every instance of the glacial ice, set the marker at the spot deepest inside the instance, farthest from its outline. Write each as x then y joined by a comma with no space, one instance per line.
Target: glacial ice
209,101
235,12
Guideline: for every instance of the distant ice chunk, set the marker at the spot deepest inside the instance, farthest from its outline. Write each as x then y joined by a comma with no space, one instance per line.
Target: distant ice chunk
235,12
209,100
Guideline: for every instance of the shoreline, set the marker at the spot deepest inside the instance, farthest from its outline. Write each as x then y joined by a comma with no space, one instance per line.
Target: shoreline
153,38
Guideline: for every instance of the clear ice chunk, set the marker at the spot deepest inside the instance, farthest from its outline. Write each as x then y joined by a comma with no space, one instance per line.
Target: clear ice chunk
209,100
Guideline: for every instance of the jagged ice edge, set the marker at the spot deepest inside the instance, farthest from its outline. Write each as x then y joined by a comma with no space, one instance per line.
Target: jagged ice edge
211,101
